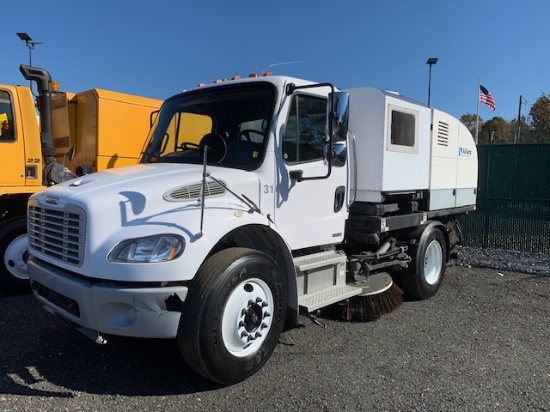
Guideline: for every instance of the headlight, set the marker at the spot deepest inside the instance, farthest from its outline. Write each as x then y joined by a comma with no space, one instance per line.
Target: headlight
150,249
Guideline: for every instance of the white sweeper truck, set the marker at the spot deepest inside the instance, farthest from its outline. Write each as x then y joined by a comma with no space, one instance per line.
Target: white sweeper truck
256,200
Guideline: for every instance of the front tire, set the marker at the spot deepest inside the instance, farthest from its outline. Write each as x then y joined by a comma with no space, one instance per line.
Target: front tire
427,267
233,315
14,277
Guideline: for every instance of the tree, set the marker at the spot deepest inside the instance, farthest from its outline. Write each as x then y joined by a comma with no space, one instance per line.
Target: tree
469,120
498,128
540,115
537,130
525,132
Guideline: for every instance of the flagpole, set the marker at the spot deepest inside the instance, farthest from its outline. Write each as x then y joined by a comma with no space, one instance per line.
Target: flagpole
477,111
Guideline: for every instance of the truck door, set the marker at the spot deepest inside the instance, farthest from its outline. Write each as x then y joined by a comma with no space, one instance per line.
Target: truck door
311,212
12,165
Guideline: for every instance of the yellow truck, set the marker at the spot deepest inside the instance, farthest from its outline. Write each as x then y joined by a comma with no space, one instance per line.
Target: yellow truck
73,134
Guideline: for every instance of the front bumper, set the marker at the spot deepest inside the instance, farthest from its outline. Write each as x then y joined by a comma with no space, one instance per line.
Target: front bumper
145,312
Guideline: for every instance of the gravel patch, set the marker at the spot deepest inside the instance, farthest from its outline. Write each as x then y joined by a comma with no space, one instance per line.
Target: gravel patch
508,260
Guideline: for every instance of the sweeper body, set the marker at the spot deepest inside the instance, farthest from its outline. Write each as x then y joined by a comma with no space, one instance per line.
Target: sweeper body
256,200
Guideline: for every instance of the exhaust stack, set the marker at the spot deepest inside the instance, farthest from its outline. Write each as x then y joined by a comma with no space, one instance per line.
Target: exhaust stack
44,83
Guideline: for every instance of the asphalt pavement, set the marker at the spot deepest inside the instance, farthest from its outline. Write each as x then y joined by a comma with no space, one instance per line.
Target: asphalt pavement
481,344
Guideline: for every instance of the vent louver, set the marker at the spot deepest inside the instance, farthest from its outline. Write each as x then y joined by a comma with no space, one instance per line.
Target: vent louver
442,134
193,192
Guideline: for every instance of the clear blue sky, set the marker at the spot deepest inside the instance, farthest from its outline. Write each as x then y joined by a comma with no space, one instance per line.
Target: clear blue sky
158,48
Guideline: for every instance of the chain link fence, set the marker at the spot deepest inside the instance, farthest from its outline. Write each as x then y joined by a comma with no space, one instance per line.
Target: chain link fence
513,201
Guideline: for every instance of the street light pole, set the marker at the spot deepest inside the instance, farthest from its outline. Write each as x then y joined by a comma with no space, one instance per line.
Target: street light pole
29,43
431,61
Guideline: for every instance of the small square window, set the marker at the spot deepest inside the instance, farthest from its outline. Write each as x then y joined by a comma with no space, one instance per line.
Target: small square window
402,130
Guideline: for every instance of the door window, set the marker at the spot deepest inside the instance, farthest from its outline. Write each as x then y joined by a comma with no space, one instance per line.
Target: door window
7,133
305,135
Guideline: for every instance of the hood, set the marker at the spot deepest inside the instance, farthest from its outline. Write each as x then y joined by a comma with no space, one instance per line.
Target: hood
144,200
148,186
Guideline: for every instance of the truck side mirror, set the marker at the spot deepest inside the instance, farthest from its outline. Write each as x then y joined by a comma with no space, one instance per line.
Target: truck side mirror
153,117
338,115
216,148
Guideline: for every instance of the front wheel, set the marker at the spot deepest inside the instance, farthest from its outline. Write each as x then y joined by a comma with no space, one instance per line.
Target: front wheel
233,315
427,267
14,277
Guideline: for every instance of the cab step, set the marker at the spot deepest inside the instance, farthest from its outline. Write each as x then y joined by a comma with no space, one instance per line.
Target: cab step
328,296
321,280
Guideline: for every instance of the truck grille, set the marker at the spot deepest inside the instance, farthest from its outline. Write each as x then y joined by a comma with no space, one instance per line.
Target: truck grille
57,233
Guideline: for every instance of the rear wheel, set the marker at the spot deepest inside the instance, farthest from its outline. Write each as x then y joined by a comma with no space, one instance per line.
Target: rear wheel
233,315
427,267
14,277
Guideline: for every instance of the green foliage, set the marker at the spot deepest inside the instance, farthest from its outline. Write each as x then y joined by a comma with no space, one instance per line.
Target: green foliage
525,132
469,121
506,132
496,128
540,115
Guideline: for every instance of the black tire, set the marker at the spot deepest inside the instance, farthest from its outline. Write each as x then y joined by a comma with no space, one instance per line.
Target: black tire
429,260
233,315
14,278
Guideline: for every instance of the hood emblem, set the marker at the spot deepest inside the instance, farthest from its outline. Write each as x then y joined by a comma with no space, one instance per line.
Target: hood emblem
52,200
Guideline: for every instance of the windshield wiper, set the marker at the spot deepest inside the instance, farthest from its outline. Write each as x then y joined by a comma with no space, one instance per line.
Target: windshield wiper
252,207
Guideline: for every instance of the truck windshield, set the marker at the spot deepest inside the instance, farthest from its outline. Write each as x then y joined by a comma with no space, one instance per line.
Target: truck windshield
240,114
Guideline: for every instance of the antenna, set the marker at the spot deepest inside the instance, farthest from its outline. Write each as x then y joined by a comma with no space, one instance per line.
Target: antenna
280,64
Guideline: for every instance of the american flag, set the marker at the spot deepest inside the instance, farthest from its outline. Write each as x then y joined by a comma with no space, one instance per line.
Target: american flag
486,97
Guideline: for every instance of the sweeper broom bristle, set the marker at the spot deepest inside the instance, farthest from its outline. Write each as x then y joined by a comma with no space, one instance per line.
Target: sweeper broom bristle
371,307
380,296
